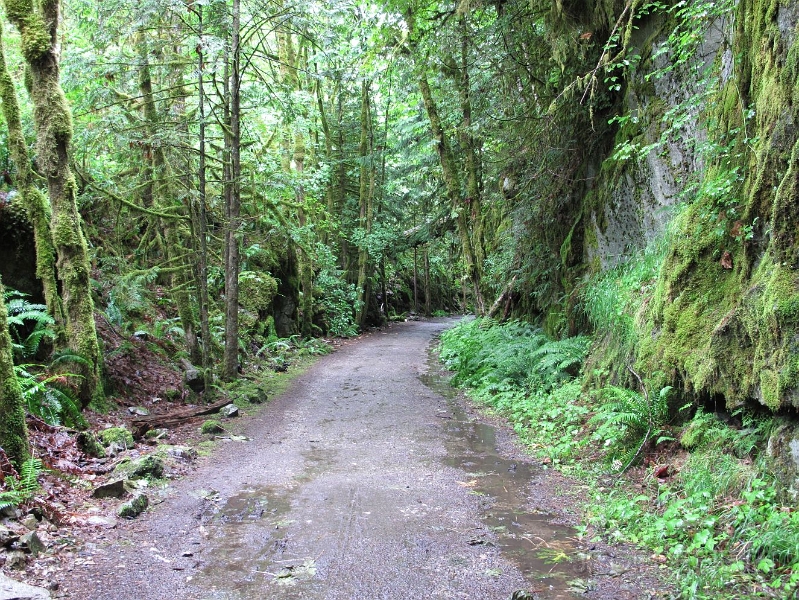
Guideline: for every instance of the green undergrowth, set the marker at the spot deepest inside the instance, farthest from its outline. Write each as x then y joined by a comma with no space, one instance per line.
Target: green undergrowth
695,491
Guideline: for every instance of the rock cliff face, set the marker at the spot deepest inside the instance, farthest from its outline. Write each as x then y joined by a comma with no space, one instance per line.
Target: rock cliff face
706,159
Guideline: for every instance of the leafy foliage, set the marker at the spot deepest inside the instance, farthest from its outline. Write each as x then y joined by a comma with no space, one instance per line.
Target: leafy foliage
517,369
28,323
628,420
19,490
50,396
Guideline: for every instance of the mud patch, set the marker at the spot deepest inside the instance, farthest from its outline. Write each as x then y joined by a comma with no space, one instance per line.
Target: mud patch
544,551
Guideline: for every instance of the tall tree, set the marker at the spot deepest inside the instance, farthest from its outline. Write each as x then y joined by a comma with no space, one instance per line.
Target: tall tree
232,233
38,26
34,201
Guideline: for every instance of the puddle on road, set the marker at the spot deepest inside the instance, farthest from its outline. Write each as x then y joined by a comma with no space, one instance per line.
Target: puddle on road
542,550
250,541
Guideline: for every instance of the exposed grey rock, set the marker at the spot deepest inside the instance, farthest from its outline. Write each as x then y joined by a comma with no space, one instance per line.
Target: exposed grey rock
99,521
14,590
193,377
33,543
181,452
30,522
16,559
229,411
135,507
7,536
110,489
142,335
138,411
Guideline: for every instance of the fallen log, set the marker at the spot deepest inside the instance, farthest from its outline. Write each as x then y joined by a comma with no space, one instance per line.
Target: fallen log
142,425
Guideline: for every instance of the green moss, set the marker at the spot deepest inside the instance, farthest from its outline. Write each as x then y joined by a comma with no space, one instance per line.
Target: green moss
211,426
256,291
117,435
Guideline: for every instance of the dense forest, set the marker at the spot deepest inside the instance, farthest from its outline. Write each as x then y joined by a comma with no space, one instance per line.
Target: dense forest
610,186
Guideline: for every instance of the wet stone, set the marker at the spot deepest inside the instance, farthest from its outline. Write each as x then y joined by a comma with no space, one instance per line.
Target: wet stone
32,543
229,411
135,507
111,489
14,590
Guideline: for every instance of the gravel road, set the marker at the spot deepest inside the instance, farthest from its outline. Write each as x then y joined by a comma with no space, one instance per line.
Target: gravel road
365,480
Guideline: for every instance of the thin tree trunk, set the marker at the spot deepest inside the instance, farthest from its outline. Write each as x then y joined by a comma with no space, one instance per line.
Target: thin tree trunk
234,209
427,298
200,211
53,123
162,197
13,432
450,173
365,196
34,201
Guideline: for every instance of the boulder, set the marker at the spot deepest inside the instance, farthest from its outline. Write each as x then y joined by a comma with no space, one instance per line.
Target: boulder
135,507
32,543
14,590
259,396
117,435
149,467
783,453
229,411
7,537
110,489
138,411
211,426
16,559
193,377
89,444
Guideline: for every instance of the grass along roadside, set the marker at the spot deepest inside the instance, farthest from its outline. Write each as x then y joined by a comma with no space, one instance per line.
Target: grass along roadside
693,489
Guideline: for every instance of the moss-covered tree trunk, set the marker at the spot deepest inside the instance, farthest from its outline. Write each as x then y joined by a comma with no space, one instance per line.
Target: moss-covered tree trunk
34,201
461,205
13,433
366,208
38,26
163,199
231,358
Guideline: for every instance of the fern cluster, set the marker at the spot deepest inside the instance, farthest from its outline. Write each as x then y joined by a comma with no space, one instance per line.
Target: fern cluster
28,323
20,490
628,420
529,377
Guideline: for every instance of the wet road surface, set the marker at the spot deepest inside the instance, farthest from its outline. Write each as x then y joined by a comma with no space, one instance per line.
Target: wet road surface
367,479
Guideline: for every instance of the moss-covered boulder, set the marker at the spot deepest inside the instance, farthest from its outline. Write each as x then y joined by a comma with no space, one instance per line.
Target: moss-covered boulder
146,467
256,291
90,444
211,426
134,507
117,435
783,454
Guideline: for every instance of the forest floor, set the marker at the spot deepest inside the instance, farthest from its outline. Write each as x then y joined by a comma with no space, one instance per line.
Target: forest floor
368,478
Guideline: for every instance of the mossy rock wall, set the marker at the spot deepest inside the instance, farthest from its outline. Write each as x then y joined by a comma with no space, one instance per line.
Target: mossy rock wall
725,317
723,320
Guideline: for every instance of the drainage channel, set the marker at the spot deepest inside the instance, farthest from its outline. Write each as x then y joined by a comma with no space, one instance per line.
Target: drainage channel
543,551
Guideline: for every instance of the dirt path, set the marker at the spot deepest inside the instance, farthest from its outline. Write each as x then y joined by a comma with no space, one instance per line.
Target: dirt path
366,480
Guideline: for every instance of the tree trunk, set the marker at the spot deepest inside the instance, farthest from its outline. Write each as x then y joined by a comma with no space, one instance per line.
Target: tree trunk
34,201
461,205
231,362
162,198
365,202
53,123
199,212
13,432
